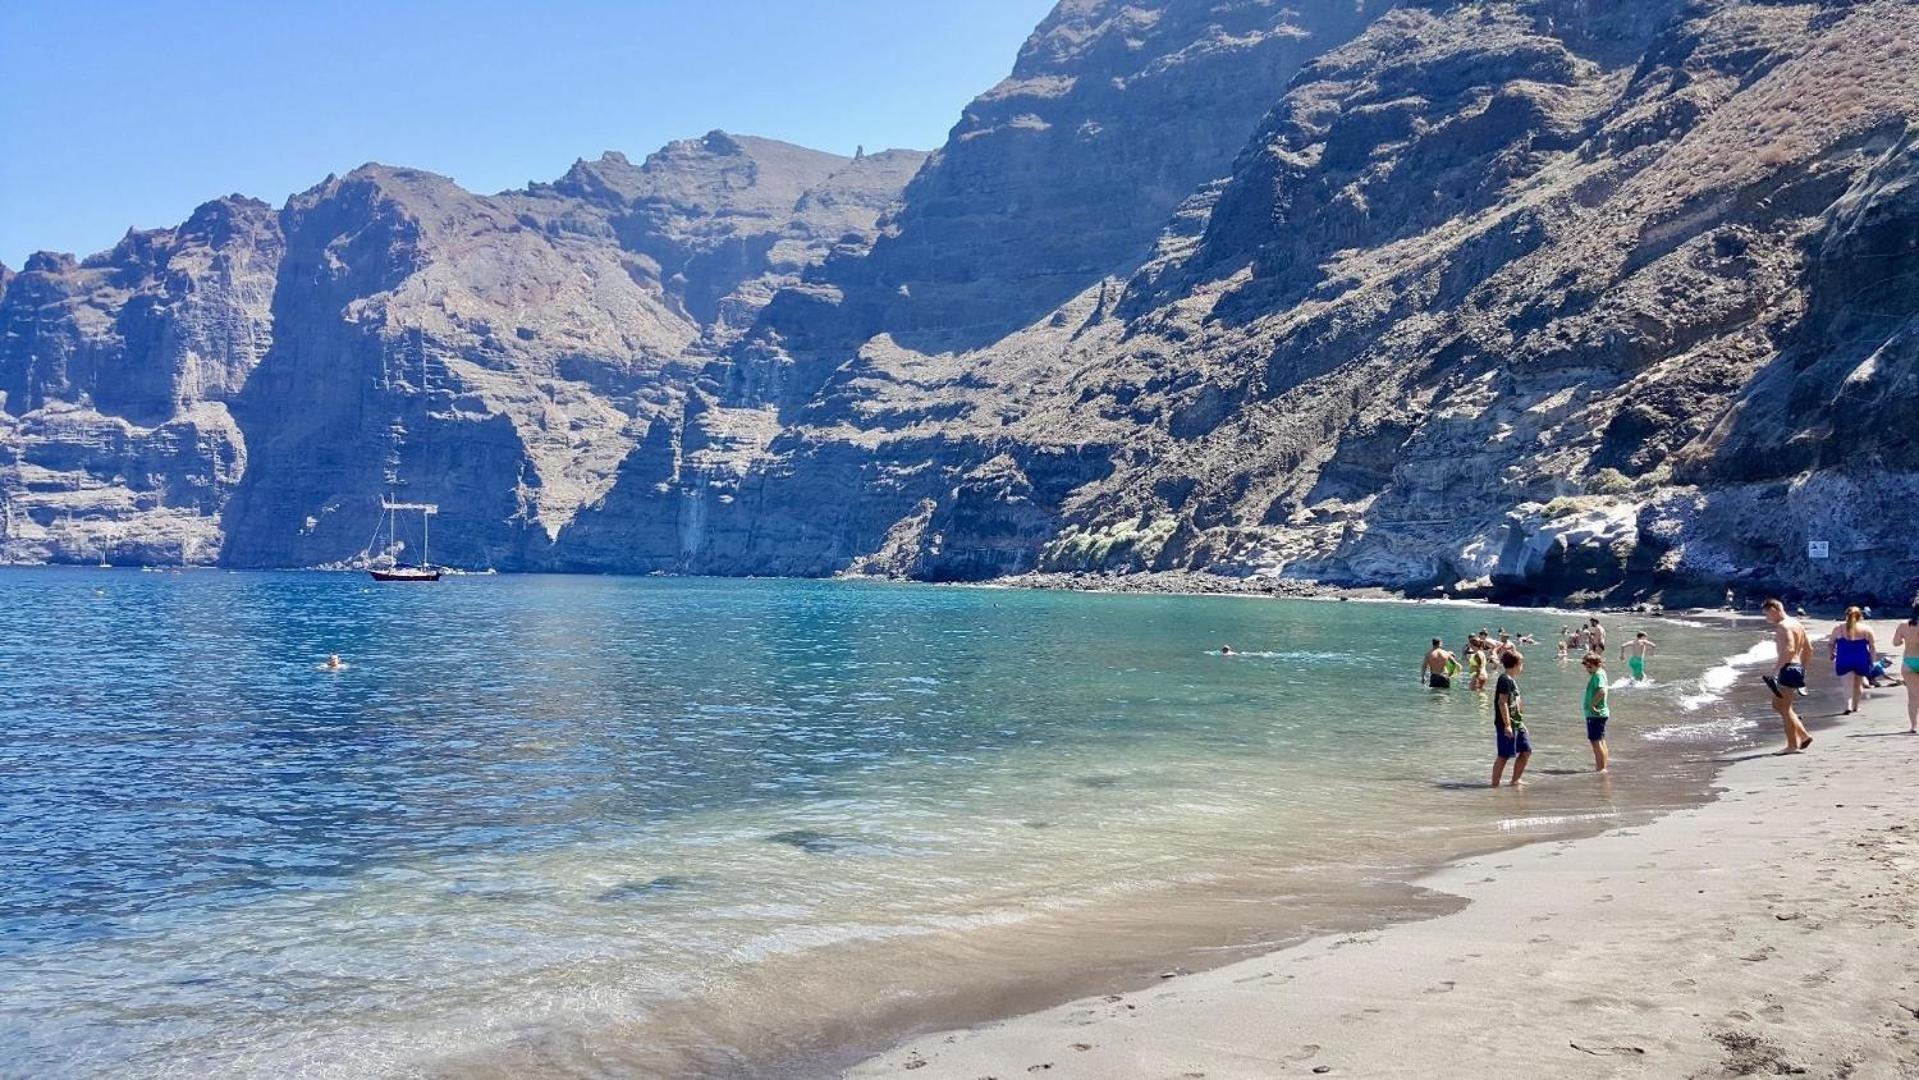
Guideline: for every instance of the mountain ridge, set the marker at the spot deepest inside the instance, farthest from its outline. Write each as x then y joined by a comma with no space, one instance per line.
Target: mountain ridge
1533,297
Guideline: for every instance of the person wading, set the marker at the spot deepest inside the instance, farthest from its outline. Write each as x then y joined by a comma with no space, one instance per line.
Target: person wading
1635,653
1509,725
1598,710
1438,667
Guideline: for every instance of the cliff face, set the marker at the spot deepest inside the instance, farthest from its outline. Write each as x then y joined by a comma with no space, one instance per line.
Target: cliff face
793,458
1495,295
1594,299
116,377
246,386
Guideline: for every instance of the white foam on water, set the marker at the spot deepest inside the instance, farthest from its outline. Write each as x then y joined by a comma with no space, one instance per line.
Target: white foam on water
1296,654
1703,730
1547,821
1719,678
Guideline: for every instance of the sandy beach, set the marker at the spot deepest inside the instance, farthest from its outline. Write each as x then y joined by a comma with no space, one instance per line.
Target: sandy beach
1770,932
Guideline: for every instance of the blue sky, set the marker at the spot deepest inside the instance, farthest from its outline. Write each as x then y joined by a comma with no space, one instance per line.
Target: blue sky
120,113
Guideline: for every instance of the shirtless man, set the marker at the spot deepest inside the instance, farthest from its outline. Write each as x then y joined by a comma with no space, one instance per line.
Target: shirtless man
1635,652
1795,651
1595,636
1434,672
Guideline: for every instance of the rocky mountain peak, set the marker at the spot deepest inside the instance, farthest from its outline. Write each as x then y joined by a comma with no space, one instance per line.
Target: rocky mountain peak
49,262
1597,300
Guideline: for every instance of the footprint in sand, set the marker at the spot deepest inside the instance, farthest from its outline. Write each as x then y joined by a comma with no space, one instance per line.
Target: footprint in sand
1445,987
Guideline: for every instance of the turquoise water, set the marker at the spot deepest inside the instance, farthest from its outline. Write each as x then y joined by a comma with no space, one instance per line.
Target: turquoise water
577,818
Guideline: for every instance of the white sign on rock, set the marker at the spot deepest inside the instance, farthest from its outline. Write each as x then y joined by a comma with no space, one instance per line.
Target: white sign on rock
1818,549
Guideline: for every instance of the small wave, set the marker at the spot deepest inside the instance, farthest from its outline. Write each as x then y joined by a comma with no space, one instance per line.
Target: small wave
1719,678
1547,821
1295,654
1702,731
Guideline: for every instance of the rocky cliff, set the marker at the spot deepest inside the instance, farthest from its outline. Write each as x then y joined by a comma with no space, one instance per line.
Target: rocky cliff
1605,300
117,375
246,386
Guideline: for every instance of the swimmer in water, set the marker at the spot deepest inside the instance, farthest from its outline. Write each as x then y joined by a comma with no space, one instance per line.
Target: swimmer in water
1225,650
334,663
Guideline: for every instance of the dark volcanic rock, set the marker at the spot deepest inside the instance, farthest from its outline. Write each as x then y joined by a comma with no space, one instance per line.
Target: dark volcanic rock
1601,300
1474,292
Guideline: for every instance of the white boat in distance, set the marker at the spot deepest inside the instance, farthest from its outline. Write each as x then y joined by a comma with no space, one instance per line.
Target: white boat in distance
398,571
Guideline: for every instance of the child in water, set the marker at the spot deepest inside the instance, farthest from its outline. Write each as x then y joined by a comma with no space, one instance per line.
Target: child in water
1598,710
1509,726
1636,651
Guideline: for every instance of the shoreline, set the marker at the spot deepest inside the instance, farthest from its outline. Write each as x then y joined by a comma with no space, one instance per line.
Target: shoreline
1764,930
988,973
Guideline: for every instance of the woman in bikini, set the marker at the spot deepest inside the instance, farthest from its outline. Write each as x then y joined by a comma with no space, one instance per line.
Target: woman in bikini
1908,635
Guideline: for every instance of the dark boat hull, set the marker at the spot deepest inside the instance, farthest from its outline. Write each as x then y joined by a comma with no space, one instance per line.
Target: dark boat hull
405,575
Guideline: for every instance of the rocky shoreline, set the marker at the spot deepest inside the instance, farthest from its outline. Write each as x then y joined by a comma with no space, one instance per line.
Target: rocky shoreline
1201,583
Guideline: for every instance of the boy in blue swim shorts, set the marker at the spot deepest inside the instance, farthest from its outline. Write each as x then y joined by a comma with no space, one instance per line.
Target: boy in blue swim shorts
1509,726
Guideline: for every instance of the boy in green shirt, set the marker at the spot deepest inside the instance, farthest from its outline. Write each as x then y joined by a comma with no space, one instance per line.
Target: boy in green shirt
1598,711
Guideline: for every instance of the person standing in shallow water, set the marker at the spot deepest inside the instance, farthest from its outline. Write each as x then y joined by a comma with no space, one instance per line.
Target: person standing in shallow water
1795,651
1635,653
1509,725
1436,672
1598,710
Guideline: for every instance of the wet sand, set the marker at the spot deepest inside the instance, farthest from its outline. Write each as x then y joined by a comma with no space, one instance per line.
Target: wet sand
1770,932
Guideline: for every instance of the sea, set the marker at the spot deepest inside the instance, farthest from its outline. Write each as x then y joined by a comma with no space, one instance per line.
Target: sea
596,826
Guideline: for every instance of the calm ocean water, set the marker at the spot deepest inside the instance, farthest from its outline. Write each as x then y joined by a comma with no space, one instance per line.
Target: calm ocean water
567,825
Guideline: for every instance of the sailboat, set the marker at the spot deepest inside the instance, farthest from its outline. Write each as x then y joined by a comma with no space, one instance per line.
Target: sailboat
425,571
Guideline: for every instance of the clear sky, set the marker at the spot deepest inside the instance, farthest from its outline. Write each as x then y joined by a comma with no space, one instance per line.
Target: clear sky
119,113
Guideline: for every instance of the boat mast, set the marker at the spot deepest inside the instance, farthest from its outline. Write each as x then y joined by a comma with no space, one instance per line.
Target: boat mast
427,510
